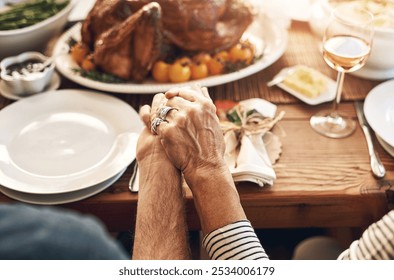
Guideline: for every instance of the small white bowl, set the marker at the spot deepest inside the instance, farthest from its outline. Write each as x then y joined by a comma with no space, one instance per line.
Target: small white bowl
380,64
27,84
34,37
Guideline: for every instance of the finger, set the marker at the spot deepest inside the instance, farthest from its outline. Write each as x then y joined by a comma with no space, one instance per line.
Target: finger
171,94
186,93
162,130
197,87
145,115
174,91
158,101
156,127
168,113
205,92
178,103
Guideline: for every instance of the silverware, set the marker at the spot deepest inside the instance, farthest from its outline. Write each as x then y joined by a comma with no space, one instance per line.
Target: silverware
376,165
134,176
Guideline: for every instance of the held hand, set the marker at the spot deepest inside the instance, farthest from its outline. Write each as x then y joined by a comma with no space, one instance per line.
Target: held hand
193,141
190,134
160,200
149,148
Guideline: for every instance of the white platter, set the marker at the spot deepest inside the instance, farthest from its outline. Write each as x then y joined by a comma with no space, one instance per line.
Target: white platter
379,110
327,95
6,91
61,198
81,10
66,140
269,39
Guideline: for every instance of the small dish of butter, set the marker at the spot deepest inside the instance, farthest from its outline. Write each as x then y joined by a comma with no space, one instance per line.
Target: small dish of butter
307,84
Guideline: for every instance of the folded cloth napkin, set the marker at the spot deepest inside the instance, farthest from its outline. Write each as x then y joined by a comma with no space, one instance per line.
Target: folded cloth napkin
246,154
252,162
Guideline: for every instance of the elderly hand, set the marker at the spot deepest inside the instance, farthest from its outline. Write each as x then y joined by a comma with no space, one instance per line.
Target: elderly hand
160,200
193,141
149,148
190,134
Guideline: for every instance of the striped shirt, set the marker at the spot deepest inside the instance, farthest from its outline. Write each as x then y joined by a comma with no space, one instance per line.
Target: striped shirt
376,243
236,241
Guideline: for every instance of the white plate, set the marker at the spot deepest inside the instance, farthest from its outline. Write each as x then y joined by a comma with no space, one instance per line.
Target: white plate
267,37
67,140
327,95
62,198
379,110
389,149
7,92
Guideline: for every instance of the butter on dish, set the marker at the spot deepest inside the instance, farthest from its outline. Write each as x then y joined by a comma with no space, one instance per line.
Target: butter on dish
306,81
307,84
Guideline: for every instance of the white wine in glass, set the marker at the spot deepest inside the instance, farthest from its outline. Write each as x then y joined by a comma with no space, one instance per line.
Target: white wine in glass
346,46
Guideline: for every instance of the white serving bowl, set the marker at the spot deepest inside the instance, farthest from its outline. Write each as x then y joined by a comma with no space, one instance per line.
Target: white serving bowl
380,64
25,85
34,37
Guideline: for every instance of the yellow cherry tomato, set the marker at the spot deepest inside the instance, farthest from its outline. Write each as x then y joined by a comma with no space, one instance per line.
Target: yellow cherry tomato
179,73
78,52
241,52
198,71
215,66
88,63
202,58
223,55
160,71
183,60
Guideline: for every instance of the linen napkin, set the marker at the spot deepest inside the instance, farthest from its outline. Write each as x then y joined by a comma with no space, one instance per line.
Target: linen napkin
246,154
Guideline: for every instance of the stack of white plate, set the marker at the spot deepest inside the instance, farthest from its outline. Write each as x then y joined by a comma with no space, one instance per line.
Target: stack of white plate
63,146
379,112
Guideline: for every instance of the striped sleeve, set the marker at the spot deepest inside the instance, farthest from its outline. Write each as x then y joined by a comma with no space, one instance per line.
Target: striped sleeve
376,243
236,241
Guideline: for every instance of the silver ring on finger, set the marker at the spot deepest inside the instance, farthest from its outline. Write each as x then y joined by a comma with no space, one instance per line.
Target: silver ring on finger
155,123
163,111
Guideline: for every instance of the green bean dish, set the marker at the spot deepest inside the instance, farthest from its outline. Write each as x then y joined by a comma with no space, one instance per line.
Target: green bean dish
29,13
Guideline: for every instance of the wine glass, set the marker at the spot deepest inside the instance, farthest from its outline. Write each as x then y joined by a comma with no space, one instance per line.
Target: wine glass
346,46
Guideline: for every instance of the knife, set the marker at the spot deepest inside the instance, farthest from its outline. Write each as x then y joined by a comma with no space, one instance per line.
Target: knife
133,187
376,165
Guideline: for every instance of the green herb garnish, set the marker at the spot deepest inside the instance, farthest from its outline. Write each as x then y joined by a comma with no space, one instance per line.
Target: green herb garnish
99,76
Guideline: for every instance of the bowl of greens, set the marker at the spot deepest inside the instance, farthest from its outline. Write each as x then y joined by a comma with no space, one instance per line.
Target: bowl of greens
30,25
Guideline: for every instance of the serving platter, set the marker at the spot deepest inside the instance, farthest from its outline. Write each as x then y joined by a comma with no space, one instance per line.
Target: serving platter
66,140
269,39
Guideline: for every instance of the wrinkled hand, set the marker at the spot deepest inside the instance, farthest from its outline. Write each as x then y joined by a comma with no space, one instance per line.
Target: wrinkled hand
191,137
149,147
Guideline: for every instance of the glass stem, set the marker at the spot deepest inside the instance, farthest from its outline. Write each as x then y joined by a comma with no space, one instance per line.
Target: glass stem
338,93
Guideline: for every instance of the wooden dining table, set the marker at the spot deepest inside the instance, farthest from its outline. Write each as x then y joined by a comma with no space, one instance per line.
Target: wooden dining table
321,182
